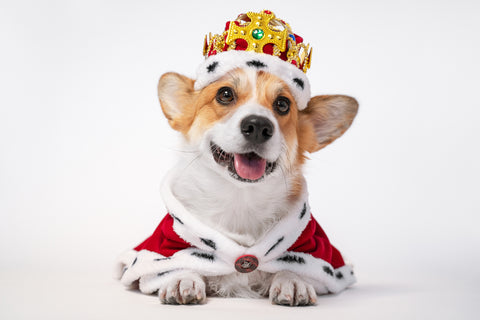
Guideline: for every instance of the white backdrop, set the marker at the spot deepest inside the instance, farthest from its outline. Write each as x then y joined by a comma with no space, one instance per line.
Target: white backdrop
84,146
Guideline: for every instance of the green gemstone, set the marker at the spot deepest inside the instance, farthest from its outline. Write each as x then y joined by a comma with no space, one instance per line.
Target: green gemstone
258,34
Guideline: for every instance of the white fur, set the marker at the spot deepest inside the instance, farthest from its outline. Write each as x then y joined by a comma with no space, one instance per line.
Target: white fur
243,211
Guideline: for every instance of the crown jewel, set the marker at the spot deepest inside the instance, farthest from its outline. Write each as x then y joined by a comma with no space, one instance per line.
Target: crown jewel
262,33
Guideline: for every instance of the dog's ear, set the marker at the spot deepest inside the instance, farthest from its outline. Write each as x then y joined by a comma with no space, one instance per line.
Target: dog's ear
177,95
325,119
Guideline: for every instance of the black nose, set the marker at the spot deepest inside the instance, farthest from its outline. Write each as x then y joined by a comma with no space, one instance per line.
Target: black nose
256,129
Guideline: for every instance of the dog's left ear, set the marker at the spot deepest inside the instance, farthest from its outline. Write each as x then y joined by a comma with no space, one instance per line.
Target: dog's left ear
177,95
325,119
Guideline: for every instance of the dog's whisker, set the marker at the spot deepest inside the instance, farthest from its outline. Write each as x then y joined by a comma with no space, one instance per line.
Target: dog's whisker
284,177
186,151
181,150
191,162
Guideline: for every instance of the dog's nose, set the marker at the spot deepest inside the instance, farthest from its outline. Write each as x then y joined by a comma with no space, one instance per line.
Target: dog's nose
256,129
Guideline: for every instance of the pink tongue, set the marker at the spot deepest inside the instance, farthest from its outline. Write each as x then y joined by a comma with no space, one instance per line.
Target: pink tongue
249,168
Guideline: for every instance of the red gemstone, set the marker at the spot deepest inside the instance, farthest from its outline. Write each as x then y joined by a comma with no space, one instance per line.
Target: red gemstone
246,264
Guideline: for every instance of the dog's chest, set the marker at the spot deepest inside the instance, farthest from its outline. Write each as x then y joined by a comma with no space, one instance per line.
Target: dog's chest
242,214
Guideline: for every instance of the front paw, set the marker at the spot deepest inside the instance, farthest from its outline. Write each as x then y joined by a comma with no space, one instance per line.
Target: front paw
187,288
289,289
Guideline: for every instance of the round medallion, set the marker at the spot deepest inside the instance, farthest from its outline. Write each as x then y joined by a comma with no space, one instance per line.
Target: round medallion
246,264
258,34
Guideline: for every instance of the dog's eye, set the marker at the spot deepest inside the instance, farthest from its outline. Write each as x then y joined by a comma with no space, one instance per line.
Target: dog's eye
225,96
281,105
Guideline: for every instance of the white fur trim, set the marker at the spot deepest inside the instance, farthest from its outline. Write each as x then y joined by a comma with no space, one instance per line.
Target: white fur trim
214,254
216,66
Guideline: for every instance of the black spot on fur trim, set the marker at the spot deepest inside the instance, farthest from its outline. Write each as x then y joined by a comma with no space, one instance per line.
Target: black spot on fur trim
299,82
176,218
339,275
211,67
256,63
351,272
134,261
204,255
209,243
163,273
275,245
161,259
328,270
290,258
304,210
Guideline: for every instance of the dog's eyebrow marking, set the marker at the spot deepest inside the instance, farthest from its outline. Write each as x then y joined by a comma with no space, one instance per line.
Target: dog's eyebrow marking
209,243
203,255
211,67
256,63
304,210
339,275
299,82
328,270
273,247
176,218
290,258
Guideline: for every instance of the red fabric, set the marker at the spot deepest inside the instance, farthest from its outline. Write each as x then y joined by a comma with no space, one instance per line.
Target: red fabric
314,241
164,240
298,39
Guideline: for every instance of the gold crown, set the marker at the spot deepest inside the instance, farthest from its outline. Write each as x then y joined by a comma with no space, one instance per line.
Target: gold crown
261,33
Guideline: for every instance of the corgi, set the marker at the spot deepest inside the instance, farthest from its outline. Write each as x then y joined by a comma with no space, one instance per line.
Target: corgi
238,222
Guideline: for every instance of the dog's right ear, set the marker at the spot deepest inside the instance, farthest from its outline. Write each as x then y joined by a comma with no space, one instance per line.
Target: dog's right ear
177,96
325,119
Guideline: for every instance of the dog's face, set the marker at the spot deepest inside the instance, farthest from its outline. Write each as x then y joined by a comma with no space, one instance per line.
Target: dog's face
246,126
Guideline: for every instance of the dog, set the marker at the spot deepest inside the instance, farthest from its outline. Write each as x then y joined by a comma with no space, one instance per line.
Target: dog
246,133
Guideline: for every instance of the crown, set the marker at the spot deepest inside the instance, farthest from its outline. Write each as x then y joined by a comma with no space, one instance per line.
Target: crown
262,33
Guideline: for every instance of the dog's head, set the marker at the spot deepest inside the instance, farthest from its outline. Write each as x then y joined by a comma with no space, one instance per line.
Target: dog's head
247,126
248,114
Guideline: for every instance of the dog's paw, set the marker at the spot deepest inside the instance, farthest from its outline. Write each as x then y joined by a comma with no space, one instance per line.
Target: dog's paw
187,288
289,289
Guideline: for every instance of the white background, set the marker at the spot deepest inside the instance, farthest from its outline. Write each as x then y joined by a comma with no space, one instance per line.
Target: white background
84,146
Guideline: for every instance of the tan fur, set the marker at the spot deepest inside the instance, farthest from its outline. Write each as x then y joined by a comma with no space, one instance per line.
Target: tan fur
198,109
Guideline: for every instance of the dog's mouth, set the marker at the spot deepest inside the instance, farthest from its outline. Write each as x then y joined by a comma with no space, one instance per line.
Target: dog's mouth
246,167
